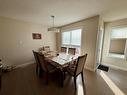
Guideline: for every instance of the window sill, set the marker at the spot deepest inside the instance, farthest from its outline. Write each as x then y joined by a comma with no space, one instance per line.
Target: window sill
120,56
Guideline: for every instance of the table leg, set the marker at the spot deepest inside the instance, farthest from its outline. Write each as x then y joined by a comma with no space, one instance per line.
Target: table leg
62,78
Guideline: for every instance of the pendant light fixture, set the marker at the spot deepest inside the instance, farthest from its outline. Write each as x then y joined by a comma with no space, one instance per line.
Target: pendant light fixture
53,28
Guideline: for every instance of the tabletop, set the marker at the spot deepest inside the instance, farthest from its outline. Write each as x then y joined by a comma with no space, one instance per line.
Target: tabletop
61,59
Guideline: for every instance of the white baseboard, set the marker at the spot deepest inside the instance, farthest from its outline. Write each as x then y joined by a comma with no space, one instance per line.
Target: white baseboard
90,69
115,67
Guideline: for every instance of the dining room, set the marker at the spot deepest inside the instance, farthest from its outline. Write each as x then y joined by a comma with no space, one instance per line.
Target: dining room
63,52
52,48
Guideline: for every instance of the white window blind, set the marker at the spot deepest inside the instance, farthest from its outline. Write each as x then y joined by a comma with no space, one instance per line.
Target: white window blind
72,37
119,33
76,37
66,38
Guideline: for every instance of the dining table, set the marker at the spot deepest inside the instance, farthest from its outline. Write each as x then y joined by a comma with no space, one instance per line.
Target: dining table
61,61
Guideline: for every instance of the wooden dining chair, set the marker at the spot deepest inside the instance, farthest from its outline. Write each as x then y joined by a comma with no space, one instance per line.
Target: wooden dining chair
0,78
78,69
0,73
64,49
38,68
72,51
46,48
41,49
46,66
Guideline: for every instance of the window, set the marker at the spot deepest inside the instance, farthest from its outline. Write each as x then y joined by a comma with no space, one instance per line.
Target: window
119,33
72,38
118,40
66,38
76,37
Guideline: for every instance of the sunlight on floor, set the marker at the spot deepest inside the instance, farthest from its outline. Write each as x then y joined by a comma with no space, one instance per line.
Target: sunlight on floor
111,84
80,87
80,90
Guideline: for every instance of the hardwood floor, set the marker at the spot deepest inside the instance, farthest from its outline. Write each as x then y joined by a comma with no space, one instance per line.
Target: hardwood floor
24,81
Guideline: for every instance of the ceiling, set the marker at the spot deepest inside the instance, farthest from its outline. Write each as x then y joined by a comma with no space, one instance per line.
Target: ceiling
65,11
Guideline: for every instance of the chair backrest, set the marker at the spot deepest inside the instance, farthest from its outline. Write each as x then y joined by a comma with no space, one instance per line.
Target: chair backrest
64,49
36,58
72,51
40,49
80,64
46,48
42,62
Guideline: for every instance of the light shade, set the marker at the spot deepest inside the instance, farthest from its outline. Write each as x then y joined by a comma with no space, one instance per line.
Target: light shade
54,29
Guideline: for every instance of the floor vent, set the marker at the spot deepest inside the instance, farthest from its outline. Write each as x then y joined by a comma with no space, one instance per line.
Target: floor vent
103,67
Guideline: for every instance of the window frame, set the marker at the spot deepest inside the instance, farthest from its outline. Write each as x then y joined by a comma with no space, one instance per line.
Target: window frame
125,50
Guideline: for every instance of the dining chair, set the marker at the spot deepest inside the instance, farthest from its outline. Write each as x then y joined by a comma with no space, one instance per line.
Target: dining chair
46,48
38,68
0,73
47,67
78,69
72,51
64,49
41,49
0,77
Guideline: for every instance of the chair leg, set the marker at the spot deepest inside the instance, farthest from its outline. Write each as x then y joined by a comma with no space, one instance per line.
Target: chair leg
46,78
64,75
82,77
0,81
36,69
39,72
75,82
61,78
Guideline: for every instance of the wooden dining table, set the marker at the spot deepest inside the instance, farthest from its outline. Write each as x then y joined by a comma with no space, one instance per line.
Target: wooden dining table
60,61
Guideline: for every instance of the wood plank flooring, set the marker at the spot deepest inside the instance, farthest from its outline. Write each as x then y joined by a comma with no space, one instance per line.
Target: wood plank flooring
24,81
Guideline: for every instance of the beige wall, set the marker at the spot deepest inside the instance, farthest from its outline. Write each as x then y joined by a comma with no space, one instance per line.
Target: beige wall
89,37
120,63
16,43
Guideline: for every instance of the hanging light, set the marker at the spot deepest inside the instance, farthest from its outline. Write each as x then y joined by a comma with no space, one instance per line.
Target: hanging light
53,28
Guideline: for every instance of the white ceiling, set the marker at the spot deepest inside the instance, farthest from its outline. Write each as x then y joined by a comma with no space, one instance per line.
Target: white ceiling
65,11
